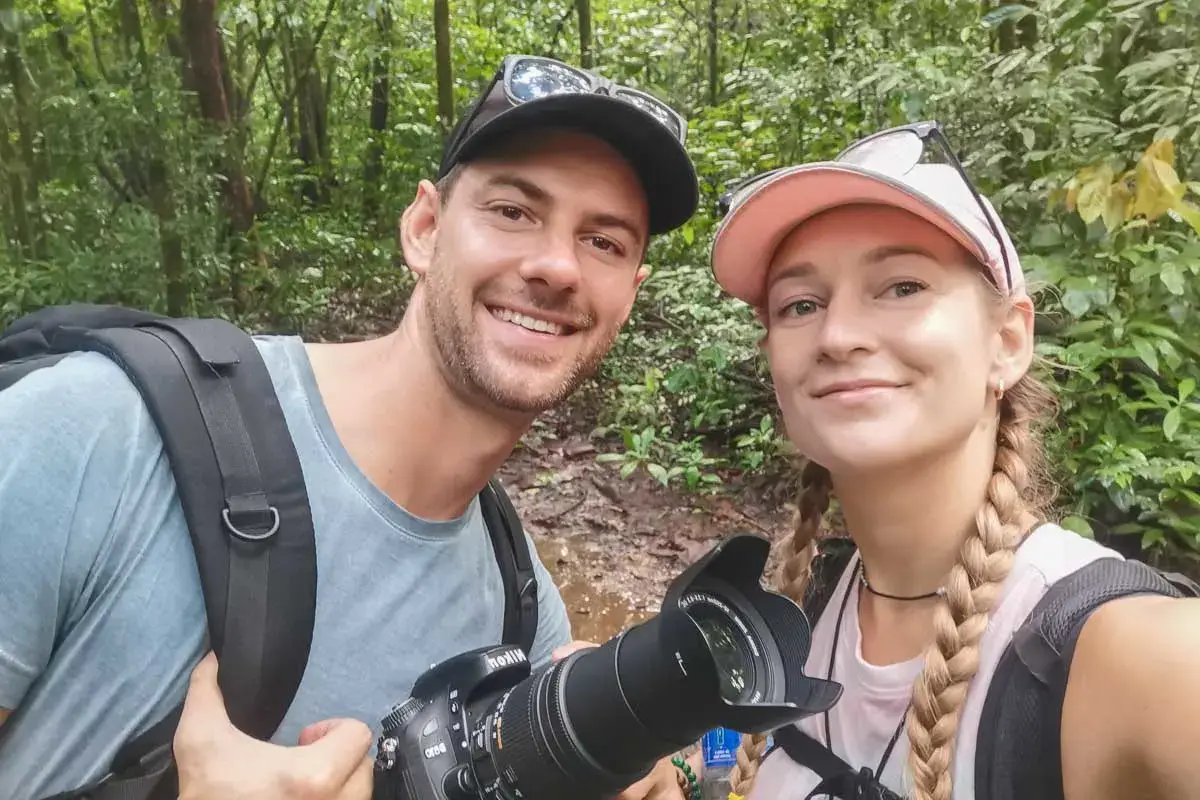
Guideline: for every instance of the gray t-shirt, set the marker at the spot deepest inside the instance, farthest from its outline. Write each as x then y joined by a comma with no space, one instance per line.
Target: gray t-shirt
101,613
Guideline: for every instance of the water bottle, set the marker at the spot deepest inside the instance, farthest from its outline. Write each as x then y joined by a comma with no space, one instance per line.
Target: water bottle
720,747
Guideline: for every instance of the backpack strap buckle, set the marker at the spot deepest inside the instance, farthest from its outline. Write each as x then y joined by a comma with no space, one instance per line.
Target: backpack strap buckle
251,521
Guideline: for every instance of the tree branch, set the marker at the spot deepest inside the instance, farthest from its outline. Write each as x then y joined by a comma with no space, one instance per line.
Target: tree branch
261,180
95,32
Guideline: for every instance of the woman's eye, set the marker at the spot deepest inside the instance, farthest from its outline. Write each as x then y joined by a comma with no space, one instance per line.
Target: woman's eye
906,288
800,308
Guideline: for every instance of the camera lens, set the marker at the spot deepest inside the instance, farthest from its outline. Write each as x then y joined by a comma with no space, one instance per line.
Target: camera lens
730,651
722,652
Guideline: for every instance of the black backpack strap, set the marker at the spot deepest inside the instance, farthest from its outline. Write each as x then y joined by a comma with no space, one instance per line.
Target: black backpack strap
516,566
1018,751
833,555
242,490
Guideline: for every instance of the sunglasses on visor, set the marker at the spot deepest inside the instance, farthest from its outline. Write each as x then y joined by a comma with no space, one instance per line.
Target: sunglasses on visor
895,152
526,78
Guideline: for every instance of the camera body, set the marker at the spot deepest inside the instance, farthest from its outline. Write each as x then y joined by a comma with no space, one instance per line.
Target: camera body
440,737
722,652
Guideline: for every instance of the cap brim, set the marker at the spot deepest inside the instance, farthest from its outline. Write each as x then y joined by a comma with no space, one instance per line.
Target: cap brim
748,237
659,159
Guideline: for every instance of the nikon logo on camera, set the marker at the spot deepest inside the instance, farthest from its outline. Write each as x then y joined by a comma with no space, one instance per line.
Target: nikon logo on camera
508,658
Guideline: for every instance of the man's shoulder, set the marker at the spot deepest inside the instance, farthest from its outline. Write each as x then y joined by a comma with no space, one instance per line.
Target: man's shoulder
83,390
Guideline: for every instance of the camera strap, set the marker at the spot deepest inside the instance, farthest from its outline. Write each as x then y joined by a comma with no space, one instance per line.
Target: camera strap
516,566
838,779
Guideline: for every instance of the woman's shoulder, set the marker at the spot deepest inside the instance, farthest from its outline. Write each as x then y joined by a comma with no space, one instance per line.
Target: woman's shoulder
1051,552
1047,555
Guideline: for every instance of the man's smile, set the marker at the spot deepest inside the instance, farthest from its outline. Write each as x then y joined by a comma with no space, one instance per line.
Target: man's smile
530,322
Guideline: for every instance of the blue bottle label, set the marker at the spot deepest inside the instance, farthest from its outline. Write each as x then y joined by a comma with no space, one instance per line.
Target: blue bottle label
720,747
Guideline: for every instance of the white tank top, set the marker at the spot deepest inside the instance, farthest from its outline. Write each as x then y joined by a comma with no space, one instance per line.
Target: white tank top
875,698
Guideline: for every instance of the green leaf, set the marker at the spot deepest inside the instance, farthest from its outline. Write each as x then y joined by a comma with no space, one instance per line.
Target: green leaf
1145,350
1011,12
658,472
1079,525
1172,278
627,468
1151,538
1077,302
1171,424
1186,387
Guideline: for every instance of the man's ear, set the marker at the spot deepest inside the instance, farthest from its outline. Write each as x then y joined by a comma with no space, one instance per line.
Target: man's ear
1016,343
642,273
419,226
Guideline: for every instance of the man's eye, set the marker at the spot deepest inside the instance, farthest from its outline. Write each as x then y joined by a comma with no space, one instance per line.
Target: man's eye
512,212
606,245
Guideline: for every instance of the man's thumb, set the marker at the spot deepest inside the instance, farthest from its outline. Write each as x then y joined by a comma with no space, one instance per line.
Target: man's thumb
341,743
204,703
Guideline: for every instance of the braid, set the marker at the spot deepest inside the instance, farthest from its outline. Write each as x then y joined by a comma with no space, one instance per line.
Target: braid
962,615
792,579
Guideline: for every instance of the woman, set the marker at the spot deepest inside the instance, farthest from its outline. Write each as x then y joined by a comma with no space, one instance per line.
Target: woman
899,334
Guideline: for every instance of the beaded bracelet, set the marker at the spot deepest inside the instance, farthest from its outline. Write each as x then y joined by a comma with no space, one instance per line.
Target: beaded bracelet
692,787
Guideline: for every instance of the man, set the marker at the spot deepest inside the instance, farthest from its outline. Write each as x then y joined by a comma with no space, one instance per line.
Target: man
529,251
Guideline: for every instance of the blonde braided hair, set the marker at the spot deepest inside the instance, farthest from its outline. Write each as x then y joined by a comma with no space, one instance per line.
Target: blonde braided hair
1017,486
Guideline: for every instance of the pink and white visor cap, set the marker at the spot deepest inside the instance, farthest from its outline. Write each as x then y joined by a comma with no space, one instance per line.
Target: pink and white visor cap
763,213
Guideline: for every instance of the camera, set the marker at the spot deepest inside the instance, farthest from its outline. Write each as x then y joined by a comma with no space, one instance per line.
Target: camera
722,651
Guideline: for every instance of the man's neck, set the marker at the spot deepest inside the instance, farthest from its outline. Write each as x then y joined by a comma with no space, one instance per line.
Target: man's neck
405,427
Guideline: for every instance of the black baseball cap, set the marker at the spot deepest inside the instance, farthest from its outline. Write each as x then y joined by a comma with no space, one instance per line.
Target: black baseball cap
532,92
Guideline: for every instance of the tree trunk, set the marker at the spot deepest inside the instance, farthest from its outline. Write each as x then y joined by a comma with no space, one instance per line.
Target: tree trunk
445,72
22,163
202,41
584,8
307,118
153,164
713,61
22,233
381,66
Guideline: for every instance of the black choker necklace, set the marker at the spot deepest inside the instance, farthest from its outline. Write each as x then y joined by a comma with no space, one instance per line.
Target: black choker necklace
862,578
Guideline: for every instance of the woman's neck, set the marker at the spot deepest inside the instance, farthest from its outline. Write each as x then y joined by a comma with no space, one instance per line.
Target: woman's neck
909,524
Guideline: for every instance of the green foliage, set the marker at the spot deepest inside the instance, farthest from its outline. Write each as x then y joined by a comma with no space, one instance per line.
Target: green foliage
1079,118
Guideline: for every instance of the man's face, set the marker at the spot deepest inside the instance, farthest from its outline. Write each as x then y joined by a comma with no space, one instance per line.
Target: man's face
534,263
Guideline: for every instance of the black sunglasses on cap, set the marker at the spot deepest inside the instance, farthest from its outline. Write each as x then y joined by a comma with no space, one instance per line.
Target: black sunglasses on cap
894,151
533,92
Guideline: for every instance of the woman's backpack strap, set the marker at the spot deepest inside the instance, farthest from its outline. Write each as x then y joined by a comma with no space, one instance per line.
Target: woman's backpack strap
1018,752
833,554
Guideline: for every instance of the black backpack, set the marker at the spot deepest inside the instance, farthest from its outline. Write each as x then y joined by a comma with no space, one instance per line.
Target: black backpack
242,491
1017,751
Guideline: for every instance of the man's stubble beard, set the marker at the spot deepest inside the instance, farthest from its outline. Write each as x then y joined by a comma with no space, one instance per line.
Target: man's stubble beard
454,329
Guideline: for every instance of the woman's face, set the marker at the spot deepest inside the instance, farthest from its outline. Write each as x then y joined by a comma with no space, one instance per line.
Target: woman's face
884,342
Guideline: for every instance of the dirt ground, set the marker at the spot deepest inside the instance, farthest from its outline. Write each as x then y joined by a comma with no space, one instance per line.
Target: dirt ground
613,545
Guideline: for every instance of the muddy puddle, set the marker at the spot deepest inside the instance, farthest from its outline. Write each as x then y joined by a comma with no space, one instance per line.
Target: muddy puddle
597,614
613,545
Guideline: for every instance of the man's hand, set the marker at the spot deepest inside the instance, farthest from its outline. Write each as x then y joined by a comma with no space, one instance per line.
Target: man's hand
216,760
661,783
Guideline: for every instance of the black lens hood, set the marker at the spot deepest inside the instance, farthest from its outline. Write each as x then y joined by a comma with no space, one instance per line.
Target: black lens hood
732,571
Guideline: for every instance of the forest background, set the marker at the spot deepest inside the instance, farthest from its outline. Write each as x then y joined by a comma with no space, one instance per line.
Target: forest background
250,158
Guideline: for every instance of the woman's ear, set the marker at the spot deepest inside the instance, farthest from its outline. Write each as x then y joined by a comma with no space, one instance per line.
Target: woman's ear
1015,354
419,226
